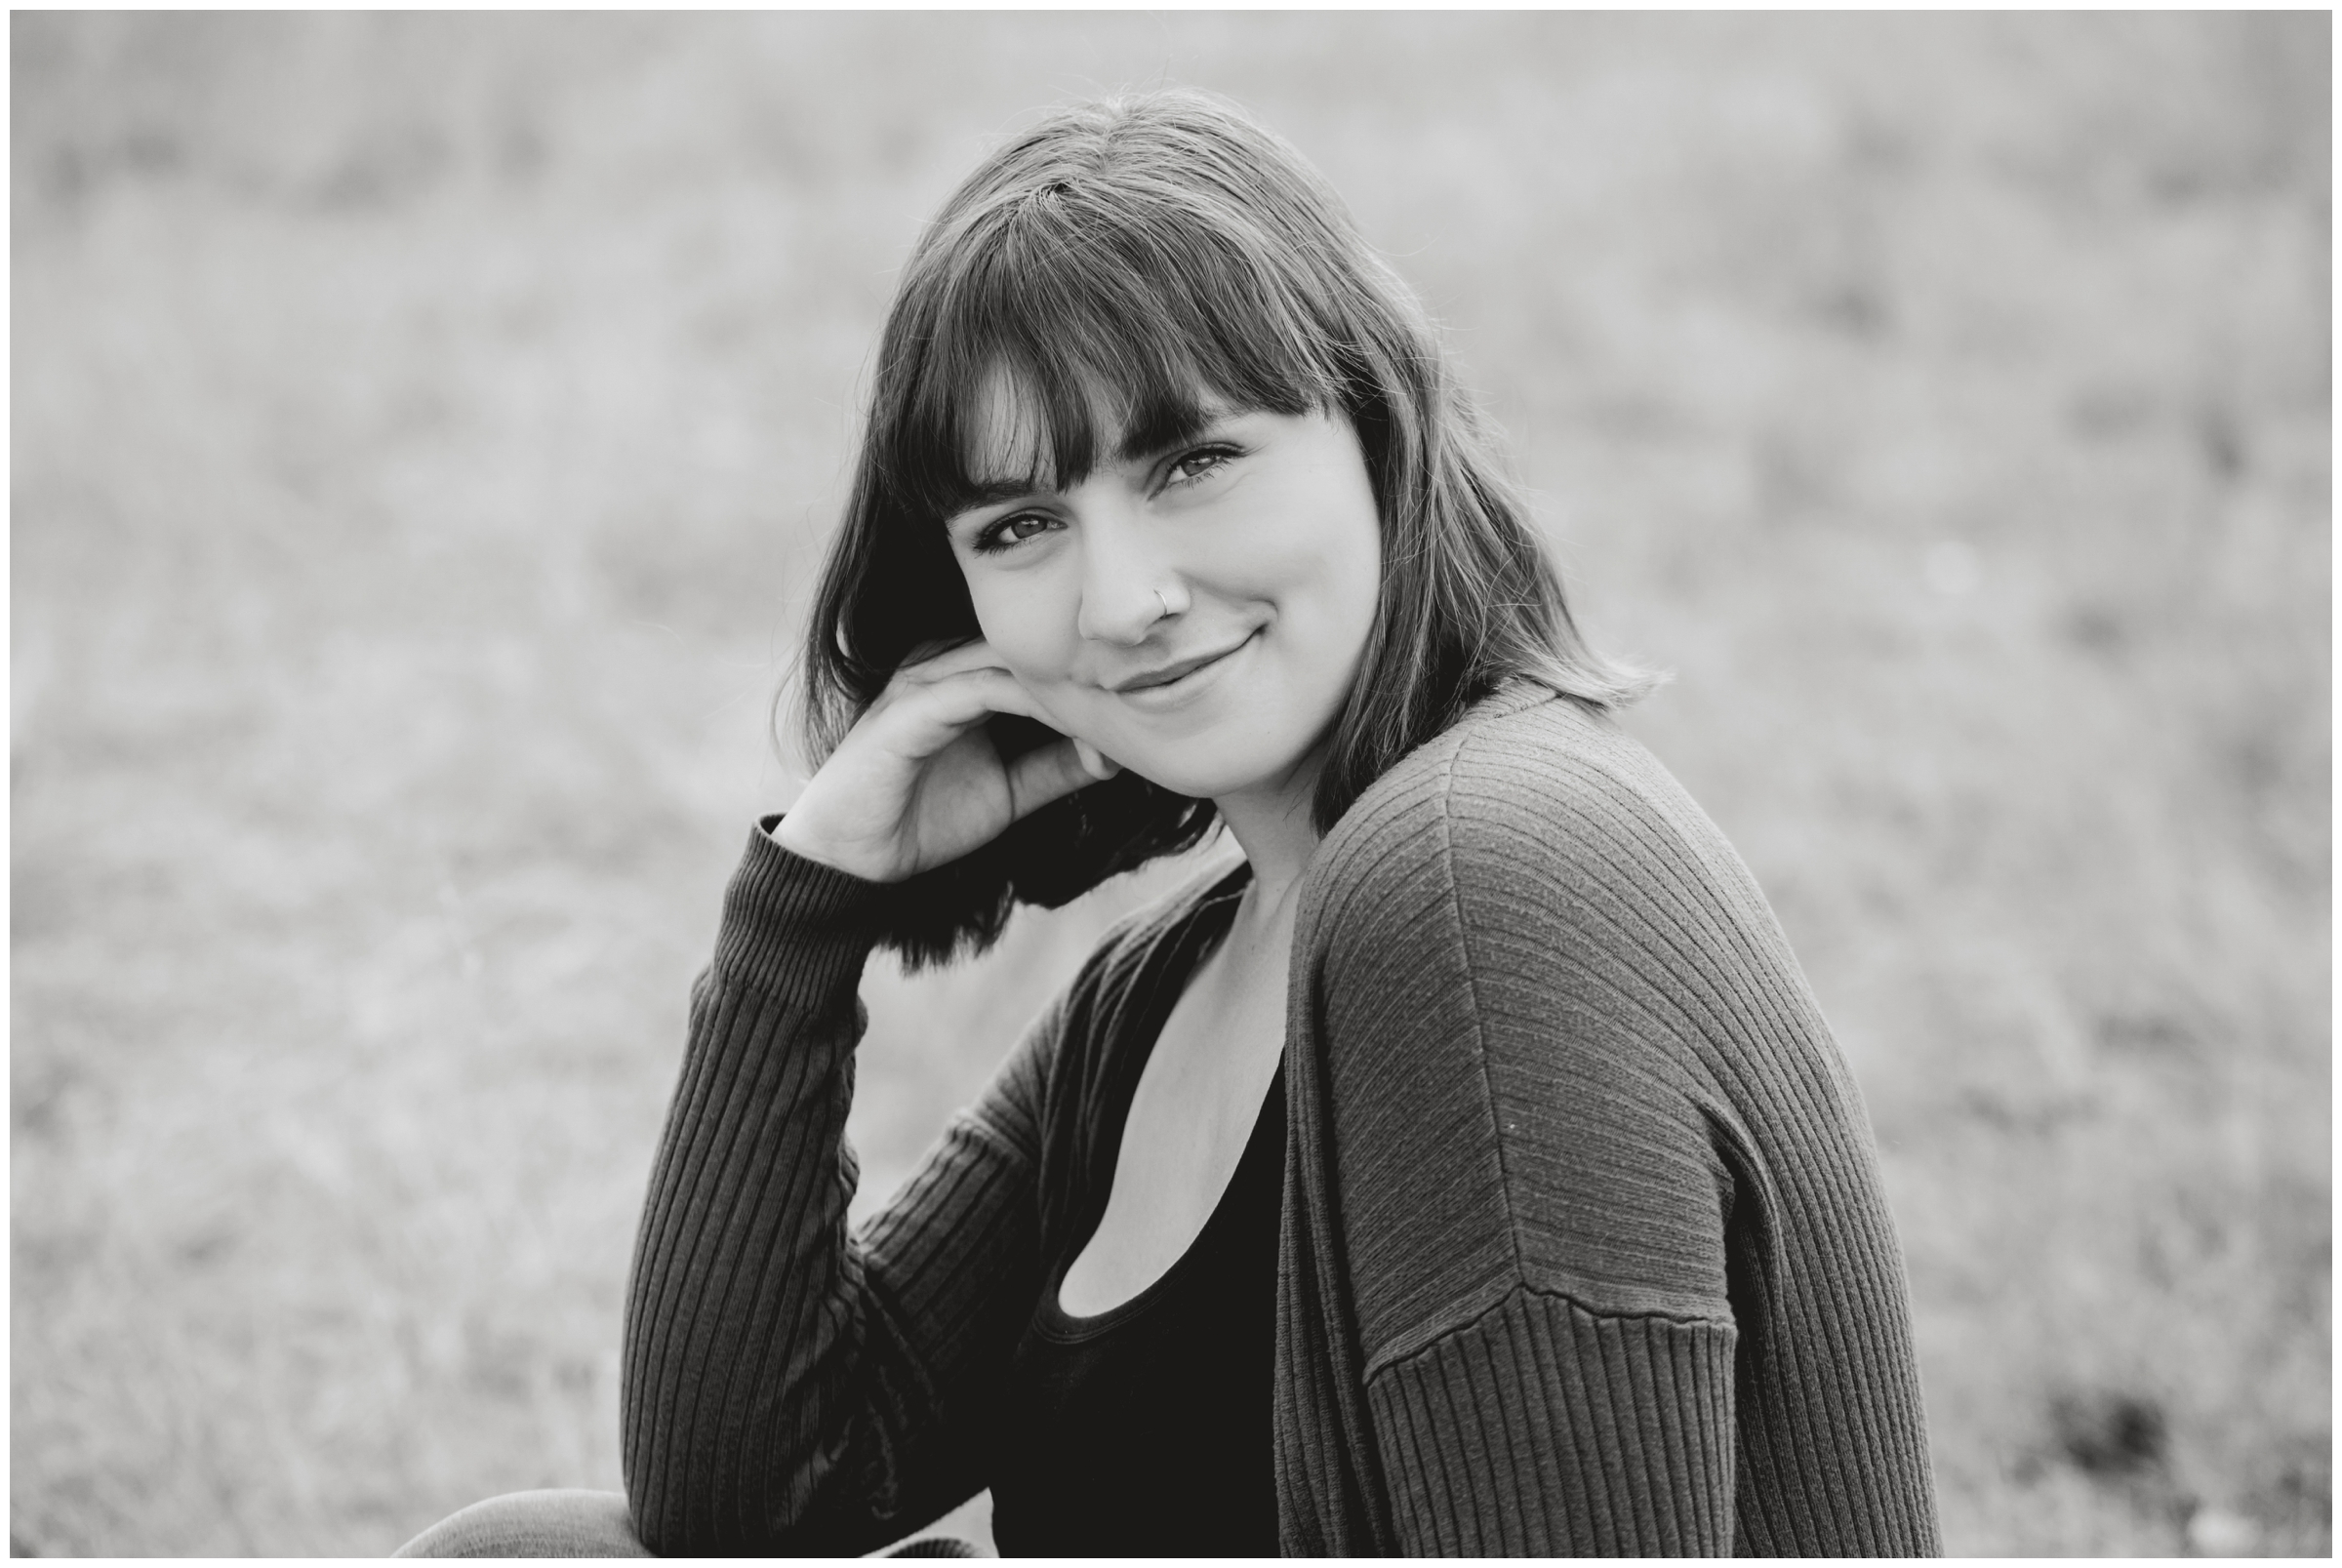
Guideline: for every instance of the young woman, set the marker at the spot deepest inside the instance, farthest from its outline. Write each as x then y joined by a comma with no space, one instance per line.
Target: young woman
1469,1170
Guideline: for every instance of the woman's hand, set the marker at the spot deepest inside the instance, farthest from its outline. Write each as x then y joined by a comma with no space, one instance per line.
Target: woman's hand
917,781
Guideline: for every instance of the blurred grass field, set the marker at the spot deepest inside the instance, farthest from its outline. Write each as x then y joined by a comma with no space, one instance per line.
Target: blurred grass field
425,430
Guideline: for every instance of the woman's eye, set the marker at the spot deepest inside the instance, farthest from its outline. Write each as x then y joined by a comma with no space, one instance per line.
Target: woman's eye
1013,530
1197,464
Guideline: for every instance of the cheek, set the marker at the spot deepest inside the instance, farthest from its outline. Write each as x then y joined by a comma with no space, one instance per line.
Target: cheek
1317,544
1021,619
1333,575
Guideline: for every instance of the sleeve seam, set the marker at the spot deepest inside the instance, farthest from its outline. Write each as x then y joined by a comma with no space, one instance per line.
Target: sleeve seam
1522,1288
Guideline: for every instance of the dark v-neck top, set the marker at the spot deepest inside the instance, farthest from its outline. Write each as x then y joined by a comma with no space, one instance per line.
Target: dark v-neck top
1145,1430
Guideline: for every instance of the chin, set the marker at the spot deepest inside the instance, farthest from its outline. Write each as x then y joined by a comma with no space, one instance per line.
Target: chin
1208,772
1191,781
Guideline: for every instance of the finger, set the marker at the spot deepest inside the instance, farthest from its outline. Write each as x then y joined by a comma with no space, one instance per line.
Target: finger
932,715
938,661
1100,764
1045,774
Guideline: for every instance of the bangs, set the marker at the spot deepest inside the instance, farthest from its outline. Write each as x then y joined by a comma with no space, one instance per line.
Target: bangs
1061,332
1118,276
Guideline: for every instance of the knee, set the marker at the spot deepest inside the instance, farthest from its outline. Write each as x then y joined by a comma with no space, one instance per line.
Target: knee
565,1523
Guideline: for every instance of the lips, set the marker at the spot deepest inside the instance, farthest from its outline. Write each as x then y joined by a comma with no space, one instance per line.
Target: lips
1179,669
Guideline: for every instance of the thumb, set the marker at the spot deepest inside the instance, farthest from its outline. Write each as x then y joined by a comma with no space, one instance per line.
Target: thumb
1052,772
1099,765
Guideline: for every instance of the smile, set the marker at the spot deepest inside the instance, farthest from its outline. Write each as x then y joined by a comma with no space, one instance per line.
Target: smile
1174,683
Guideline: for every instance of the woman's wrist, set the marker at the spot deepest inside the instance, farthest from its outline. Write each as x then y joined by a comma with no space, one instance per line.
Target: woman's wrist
793,925
784,830
804,845
794,831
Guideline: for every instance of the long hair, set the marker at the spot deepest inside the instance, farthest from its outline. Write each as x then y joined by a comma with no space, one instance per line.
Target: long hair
1140,257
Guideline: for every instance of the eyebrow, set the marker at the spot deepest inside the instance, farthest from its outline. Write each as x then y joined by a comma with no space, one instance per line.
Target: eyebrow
1164,428
973,496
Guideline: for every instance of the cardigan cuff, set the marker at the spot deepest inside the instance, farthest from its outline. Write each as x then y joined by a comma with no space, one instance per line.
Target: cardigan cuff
794,929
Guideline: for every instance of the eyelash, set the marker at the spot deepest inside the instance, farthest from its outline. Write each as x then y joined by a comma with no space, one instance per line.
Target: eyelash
988,540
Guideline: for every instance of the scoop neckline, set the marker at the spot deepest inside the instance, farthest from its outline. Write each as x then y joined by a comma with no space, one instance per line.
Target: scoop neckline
1070,1328
1209,906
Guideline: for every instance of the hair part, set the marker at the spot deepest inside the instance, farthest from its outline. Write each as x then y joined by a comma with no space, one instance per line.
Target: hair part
1115,275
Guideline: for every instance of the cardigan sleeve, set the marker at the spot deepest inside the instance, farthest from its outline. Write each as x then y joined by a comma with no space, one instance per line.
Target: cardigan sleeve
788,1387
1610,1221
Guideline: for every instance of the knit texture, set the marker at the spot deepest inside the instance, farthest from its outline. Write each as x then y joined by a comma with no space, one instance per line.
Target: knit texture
1583,1249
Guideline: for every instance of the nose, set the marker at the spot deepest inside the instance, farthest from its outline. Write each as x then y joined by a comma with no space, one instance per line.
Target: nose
1121,572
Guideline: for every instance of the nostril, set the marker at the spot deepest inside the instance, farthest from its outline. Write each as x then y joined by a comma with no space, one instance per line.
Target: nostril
1126,620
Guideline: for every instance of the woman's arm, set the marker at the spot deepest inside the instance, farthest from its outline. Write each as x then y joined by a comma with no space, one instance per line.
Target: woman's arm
786,1388
1622,1274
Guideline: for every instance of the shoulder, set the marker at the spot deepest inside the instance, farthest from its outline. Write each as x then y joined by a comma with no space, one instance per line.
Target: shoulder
1058,1062
1131,945
1501,988
1135,947
1532,807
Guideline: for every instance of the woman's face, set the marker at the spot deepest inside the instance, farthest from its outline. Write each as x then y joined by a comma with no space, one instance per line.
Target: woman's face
1195,608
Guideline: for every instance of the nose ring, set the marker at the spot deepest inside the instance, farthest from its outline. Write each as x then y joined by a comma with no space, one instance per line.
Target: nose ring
1163,599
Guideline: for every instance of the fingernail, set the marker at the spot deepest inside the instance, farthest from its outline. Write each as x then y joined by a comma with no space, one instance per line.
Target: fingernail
1095,762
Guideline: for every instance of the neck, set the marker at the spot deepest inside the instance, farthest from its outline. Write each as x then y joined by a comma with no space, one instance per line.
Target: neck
1272,824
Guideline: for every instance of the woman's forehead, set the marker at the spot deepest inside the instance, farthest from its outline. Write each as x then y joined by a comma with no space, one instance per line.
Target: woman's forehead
1007,437
1014,436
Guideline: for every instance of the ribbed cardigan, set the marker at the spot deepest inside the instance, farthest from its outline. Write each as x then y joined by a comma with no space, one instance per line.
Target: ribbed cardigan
1583,1249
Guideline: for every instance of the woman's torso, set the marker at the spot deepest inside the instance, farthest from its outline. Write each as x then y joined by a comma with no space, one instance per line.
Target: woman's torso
1553,1070
1137,1418
1196,1102
1145,1430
